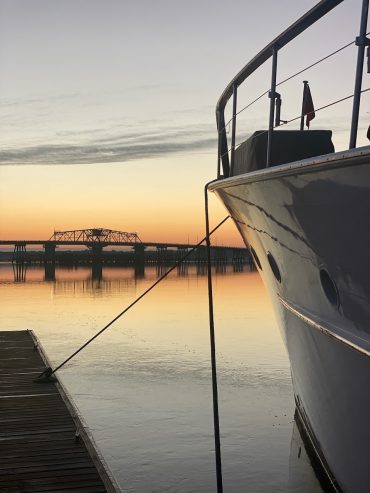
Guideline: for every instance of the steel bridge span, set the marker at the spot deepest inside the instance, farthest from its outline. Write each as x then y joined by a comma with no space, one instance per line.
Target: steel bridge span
96,239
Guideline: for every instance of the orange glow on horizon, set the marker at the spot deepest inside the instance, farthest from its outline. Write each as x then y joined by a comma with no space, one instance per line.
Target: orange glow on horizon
160,199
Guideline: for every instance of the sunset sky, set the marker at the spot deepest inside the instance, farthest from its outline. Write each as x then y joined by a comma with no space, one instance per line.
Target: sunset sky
107,108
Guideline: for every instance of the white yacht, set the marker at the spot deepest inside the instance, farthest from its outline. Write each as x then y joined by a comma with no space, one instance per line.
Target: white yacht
303,210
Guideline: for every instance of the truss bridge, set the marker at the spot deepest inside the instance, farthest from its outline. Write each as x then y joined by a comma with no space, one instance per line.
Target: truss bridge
95,240
95,235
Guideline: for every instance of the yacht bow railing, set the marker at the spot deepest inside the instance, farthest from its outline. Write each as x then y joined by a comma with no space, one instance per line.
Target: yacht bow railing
226,155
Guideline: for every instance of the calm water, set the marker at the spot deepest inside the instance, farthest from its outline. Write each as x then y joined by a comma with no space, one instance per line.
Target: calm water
144,387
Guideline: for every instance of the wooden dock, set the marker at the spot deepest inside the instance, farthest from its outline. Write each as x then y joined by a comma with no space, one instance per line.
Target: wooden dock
44,446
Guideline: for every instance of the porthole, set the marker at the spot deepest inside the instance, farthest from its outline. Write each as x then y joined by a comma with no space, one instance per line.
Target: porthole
274,266
255,258
329,287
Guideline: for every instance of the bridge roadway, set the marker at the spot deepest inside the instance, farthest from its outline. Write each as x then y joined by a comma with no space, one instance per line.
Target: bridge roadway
96,239
163,250
103,244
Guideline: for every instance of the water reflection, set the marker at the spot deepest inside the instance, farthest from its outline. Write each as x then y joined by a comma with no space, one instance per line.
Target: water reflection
19,272
144,387
49,272
97,269
302,478
97,276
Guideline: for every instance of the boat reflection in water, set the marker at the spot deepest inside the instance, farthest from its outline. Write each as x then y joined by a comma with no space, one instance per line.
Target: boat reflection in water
305,476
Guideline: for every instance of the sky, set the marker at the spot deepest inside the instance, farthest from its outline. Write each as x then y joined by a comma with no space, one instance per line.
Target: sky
107,108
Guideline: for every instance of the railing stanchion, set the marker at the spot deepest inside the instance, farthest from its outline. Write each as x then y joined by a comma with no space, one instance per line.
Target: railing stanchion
361,42
218,145
224,154
272,96
235,94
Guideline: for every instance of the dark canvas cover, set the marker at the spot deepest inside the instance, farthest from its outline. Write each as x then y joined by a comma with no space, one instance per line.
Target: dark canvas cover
287,146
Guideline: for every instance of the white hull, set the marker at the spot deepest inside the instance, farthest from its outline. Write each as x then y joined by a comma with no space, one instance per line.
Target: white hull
312,219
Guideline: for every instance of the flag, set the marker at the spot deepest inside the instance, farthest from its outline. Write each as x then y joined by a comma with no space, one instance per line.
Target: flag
308,108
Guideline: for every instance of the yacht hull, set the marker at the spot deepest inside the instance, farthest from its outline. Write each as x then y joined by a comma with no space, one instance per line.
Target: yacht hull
307,224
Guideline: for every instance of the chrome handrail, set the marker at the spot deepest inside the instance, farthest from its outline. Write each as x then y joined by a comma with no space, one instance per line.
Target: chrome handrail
271,50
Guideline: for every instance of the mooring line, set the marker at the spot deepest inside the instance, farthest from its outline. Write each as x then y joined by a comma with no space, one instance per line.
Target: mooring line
49,371
216,421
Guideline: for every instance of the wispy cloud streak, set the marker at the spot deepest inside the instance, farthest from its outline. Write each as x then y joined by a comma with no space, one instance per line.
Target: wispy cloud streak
133,145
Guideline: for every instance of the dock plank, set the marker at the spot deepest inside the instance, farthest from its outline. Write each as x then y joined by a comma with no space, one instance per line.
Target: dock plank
39,451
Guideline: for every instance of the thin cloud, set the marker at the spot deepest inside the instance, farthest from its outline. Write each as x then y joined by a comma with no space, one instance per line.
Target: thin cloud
111,149
92,96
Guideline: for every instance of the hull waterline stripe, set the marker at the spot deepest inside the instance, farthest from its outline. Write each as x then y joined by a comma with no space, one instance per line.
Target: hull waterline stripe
323,329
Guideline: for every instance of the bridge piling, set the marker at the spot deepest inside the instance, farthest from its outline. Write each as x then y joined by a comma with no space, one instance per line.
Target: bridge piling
49,252
96,253
139,253
19,253
181,251
161,253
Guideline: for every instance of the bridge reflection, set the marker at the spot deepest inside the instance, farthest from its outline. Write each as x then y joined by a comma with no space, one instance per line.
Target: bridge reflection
98,276
19,272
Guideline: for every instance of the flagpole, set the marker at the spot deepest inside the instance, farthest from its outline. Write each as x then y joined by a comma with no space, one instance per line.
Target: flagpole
305,83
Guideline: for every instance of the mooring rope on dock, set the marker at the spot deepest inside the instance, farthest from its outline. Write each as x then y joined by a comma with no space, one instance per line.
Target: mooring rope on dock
50,371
